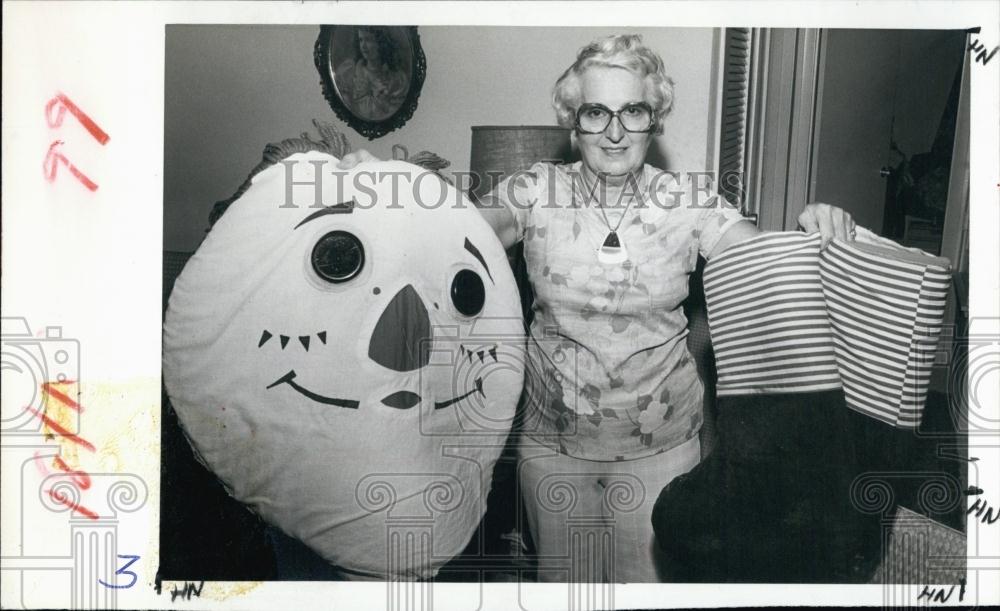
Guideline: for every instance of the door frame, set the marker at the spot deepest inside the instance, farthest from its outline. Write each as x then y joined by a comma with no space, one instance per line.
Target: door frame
783,135
784,124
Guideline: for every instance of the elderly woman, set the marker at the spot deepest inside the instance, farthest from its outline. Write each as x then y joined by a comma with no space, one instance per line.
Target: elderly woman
613,399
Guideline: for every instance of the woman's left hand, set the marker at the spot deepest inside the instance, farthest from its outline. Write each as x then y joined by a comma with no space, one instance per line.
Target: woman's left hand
830,221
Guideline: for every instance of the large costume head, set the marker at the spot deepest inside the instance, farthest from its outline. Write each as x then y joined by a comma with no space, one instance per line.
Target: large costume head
350,366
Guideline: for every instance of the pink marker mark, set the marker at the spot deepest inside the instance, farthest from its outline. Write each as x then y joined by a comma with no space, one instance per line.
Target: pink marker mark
40,465
80,478
65,104
51,164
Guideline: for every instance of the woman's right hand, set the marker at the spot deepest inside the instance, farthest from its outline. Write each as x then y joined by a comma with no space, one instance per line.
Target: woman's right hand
352,159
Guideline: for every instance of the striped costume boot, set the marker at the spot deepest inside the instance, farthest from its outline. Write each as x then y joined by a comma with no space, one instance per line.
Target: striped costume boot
773,502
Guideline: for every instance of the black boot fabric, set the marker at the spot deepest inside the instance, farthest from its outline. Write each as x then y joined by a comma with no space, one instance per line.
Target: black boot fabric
772,503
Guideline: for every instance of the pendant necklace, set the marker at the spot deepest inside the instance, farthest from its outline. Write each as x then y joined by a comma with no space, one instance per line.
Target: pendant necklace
612,251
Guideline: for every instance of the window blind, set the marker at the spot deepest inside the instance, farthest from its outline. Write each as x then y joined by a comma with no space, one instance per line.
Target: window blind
735,113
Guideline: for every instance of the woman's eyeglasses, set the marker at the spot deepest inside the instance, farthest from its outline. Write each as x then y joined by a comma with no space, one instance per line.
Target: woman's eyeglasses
595,118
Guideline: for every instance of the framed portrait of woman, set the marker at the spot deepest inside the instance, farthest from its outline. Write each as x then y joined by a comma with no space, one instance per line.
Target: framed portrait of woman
371,74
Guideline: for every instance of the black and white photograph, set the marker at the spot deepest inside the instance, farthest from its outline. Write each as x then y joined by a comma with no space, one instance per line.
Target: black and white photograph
487,305
715,276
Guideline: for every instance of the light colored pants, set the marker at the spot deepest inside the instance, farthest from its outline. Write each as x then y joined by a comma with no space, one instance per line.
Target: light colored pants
590,520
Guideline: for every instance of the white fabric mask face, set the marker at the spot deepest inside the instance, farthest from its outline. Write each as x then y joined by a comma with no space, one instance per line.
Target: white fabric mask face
338,368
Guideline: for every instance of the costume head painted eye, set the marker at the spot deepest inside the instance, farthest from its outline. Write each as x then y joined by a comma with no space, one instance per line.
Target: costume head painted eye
468,294
338,365
338,256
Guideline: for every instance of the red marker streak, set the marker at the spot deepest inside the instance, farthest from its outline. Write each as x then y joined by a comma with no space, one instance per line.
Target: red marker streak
74,506
88,123
82,478
61,431
51,164
61,397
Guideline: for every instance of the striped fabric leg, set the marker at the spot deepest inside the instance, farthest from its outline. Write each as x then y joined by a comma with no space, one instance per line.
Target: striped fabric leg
767,315
886,305
772,503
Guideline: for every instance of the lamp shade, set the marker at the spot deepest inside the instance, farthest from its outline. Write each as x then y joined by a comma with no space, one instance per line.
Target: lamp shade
501,150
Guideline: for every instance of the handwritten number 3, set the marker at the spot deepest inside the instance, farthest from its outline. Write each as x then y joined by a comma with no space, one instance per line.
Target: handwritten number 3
123,571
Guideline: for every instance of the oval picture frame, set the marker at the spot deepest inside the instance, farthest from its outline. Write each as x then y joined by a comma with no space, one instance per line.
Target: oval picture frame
371,75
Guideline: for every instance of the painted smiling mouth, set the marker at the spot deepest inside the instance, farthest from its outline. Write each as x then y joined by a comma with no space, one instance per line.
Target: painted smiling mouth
289,378
402,399
478,388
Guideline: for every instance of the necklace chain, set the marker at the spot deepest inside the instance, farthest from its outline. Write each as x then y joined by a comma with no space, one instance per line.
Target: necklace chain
590,200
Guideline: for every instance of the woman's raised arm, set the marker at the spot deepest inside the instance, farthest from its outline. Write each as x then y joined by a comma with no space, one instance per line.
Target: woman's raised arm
500,218
830,221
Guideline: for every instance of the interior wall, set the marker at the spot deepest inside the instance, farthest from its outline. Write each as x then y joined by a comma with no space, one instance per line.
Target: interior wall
928,63
878,83
230,90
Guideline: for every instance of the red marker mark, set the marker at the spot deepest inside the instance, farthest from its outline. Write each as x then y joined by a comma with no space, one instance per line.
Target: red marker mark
82,478
61,431
59,498
64,105
51,164
61,397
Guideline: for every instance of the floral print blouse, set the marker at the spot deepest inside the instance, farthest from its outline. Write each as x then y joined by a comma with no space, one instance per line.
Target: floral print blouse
609,376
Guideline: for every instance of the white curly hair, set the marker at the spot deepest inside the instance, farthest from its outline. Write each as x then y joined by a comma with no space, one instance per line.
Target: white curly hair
622,51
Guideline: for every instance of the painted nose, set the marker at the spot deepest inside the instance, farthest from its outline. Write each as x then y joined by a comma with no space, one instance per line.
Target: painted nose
402,337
